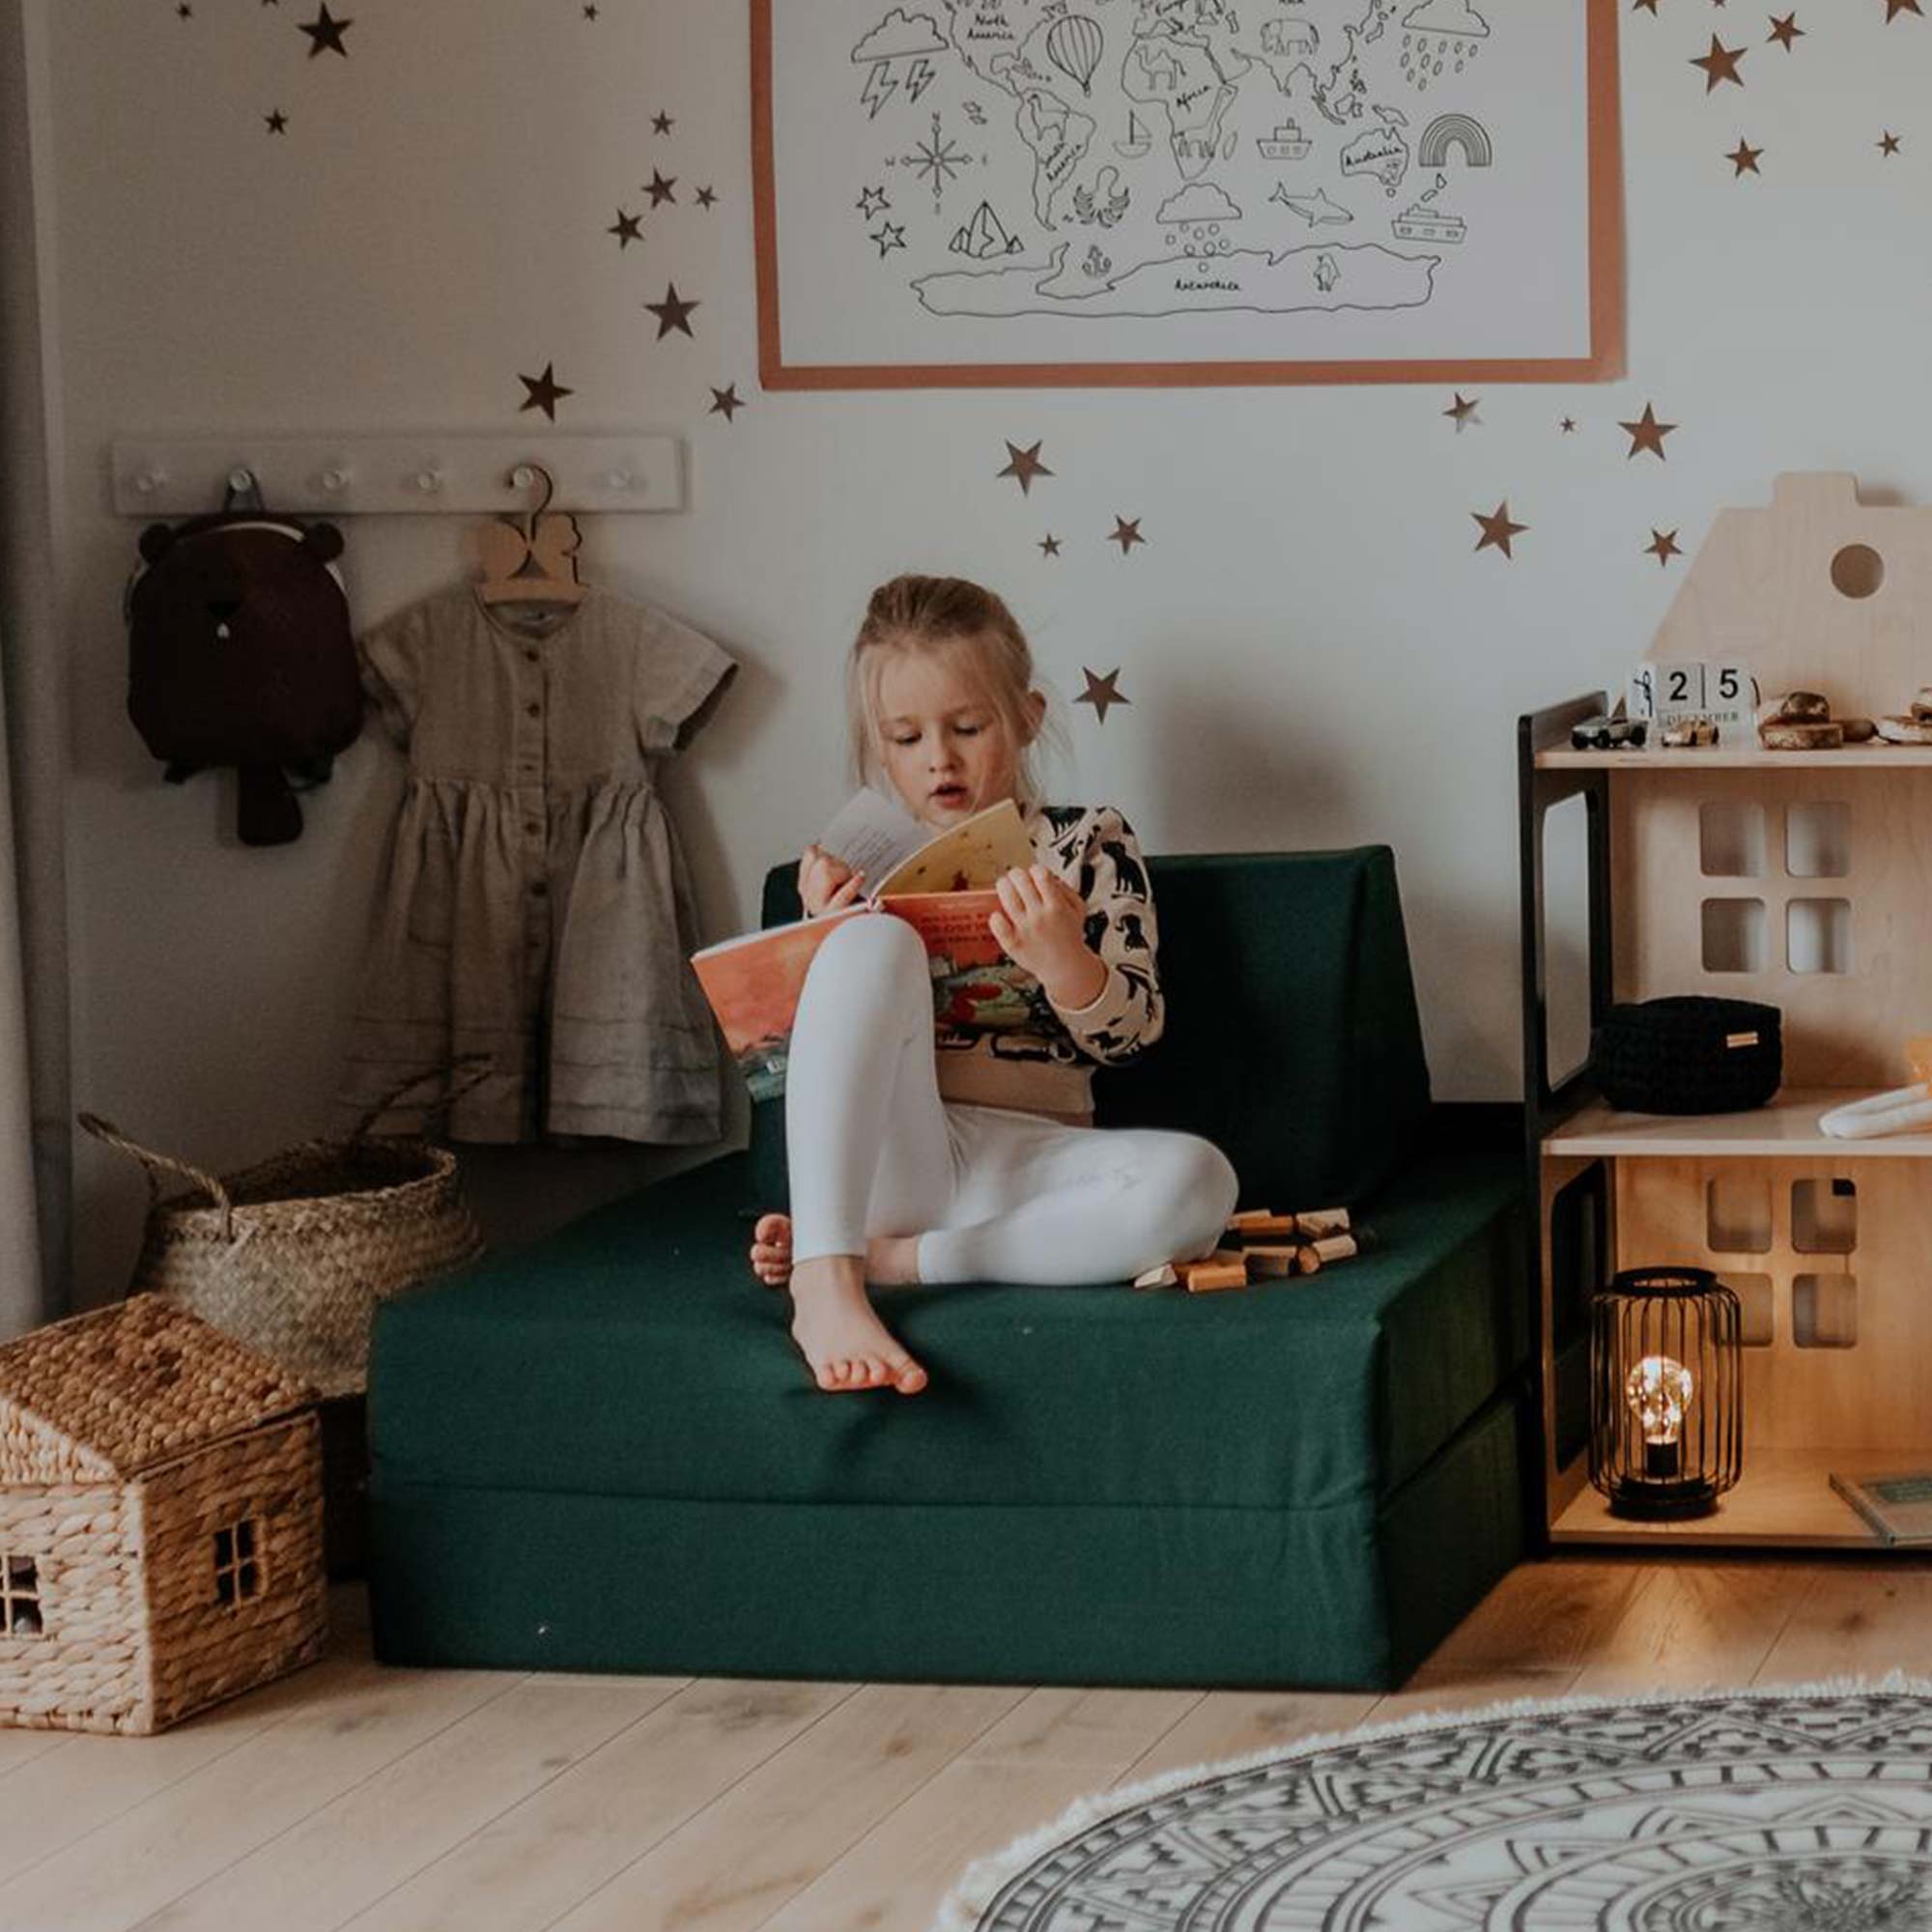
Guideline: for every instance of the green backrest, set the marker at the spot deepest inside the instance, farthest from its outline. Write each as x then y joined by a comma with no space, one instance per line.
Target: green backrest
1292,1041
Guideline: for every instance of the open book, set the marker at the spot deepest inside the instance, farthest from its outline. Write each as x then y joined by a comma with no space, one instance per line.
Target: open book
941,885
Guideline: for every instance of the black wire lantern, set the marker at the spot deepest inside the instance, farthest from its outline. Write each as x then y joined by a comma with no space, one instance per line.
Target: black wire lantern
1666,1392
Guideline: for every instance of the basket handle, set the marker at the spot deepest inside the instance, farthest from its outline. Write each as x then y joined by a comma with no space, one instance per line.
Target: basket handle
459,1080
209,1183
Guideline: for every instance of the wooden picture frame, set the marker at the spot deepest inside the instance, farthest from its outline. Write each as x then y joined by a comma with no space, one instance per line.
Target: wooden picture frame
1604,360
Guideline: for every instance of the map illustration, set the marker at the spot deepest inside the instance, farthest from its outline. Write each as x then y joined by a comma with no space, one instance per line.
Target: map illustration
1004,164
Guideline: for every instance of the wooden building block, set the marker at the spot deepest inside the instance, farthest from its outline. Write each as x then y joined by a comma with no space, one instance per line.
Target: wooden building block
1218,1273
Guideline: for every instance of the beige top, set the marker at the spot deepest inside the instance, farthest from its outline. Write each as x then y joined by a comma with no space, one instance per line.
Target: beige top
1047,1069
535,911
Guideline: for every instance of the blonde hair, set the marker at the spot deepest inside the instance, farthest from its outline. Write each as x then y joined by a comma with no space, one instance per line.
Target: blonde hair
932,614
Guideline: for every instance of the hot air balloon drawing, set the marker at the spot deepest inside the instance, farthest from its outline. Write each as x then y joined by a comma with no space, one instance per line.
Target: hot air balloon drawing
1074,44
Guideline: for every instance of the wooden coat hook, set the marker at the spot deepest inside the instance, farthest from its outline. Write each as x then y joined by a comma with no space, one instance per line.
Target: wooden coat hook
533,561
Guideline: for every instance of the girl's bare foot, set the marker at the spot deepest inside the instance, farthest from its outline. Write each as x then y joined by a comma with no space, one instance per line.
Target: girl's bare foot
892,1260
843,1342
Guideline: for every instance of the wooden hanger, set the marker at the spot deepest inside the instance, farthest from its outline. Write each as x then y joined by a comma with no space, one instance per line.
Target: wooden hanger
533,562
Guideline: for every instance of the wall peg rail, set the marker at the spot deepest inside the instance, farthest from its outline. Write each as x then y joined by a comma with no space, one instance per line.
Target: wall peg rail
393,475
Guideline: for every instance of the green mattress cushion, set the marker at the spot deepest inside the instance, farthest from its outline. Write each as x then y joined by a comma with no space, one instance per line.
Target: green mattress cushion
633,1353
1292,1041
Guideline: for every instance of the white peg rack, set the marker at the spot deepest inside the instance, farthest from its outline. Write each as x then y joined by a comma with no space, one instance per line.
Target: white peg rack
390,476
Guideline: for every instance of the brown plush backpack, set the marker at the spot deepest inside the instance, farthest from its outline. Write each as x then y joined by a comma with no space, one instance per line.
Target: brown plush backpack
240,653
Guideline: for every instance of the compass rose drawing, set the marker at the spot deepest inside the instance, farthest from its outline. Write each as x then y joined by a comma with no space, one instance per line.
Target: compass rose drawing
935,161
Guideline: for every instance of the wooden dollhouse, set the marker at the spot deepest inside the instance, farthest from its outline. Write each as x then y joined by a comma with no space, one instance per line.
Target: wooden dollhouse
1802,879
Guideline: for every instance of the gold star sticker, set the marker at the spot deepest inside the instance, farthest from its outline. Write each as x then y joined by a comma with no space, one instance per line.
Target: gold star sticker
1663,545
1463,411
1887,143
726,401
1127,534
1720,64
1647,433
1894,8
1101,691
1049,545
1743,158
1785,31
672,312
1024,466
545,393
1497,530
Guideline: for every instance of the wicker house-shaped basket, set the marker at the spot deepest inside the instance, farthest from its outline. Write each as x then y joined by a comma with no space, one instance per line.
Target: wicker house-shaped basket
160,1521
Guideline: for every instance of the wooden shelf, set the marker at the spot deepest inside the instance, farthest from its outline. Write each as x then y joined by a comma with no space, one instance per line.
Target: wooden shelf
1874,756
1783,1497
1787,1127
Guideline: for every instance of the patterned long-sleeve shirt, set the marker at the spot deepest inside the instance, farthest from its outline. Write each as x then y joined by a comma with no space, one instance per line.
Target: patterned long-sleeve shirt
1046,1068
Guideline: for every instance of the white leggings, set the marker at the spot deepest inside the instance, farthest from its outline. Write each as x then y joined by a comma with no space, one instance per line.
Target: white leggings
992,1194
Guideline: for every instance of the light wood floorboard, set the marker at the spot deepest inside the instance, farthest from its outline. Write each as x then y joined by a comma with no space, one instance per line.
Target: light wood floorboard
408,1801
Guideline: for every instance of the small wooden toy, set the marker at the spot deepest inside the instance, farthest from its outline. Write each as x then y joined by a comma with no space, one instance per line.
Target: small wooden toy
1269,1262
1162,1276
1223,1268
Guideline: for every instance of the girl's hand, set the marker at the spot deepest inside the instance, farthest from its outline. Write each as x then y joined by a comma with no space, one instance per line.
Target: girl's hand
825,884
1041,925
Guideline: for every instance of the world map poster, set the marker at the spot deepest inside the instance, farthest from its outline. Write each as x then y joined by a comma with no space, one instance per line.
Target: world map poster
1091,192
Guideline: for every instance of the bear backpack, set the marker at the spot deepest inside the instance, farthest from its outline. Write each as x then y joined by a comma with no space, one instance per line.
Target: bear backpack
240,653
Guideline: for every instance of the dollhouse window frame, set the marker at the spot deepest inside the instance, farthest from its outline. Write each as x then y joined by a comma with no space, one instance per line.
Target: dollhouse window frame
19,1590
238,1569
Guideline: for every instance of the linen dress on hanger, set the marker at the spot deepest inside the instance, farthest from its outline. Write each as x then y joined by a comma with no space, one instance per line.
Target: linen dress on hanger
535,909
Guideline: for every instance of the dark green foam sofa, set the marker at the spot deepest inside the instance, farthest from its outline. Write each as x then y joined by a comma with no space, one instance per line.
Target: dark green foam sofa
599,1452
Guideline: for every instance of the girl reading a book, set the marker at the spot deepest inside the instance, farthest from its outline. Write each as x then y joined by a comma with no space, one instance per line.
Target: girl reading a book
973,1156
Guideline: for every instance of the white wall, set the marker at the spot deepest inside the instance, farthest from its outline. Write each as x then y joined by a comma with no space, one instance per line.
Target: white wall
1315,652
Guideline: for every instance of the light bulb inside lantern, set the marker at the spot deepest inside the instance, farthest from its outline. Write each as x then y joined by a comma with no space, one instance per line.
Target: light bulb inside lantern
1659,1390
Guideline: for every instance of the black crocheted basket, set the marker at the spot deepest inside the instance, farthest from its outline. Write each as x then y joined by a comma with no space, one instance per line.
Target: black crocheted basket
1689,1055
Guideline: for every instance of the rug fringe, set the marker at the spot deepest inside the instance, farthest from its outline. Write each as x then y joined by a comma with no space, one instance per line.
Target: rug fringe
962,1908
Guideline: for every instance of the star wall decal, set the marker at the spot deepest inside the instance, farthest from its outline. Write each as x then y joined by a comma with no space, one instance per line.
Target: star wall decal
672,312
1894,8
1049,545
661,123
661,190
324,34
590,10
277,122
183,12
1127,534
1644,7
1647,433
545,393
1497,530
1743,158
627,228
1101,691
726,401
1463,411
1663,545
1887,144
1787,31
707,197
1024,465
1720,64
1568,425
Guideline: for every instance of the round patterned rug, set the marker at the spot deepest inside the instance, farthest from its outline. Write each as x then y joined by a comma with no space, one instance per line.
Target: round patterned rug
1805,1809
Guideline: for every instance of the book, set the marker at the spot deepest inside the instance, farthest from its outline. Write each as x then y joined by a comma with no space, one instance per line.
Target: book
940,884
1899,1506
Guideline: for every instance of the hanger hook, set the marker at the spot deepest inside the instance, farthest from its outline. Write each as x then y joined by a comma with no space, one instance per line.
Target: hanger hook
524,475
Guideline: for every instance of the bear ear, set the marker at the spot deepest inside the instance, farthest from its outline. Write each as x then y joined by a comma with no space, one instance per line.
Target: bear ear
156,540
323,542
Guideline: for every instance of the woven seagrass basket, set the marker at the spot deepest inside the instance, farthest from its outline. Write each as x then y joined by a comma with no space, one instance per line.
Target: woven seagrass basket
291,1254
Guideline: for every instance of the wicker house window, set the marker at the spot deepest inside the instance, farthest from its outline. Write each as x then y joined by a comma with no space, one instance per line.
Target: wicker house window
237,1570
20,1596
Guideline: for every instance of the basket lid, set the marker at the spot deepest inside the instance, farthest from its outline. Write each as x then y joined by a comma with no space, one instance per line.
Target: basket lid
119,1390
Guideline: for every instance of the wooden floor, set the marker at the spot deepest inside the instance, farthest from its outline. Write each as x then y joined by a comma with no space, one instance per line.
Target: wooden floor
411,1801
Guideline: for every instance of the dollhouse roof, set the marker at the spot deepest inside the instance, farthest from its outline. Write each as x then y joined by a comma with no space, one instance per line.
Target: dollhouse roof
106,1395
1770,588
